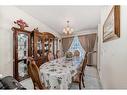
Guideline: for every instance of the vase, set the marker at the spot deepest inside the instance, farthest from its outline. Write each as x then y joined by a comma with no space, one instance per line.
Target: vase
22,27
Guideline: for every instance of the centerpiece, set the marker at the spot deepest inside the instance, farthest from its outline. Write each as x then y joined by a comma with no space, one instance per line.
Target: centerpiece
68,55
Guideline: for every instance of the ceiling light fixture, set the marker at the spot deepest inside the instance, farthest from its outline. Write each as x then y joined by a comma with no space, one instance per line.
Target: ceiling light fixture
68,30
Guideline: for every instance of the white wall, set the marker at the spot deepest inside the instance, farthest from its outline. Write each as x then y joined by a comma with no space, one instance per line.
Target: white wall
8,15
98,46
113,58
94,55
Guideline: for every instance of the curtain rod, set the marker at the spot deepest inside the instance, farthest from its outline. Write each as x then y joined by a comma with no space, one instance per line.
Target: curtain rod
78,35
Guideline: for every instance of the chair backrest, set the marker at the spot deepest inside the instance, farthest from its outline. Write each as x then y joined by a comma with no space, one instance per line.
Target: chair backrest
58,54
50,56
34,73
84,63
76,53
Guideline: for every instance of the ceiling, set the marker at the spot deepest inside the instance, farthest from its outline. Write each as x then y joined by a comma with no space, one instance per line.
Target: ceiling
80,17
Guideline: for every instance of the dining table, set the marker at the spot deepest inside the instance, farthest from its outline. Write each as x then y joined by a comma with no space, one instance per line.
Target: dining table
57,74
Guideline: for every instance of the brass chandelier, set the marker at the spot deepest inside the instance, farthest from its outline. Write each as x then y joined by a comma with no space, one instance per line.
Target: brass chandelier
68,30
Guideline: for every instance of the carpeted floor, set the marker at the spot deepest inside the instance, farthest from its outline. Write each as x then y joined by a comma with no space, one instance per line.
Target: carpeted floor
92,80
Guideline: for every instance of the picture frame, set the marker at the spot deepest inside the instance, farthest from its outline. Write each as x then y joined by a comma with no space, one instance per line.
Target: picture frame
111,27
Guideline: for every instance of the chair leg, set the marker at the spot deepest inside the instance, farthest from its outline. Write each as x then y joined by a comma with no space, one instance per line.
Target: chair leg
80,85
34,86
83,82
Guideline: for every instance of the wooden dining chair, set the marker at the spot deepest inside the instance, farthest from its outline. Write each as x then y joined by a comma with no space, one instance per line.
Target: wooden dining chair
79,77
34,73
50,56
58,54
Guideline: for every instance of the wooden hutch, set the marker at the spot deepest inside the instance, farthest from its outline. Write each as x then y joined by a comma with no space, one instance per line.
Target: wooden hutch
41,44
21,50
30,43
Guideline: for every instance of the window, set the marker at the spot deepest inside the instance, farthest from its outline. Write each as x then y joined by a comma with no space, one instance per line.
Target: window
76,46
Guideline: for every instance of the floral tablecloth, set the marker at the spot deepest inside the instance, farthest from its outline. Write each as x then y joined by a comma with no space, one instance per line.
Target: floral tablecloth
58,74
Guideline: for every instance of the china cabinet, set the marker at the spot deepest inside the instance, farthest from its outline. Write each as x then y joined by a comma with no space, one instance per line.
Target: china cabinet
41,44
48,40
21,50
31,44
37,46
56,44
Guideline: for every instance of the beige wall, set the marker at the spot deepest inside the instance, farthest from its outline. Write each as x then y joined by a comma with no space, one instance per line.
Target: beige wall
113,58
7,16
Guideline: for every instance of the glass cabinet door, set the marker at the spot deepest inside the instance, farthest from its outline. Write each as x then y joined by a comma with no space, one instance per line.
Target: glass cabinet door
39,46
22,53
46,45
55,46
51,45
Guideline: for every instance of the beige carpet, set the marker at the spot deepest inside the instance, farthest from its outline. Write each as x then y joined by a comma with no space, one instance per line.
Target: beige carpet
92,80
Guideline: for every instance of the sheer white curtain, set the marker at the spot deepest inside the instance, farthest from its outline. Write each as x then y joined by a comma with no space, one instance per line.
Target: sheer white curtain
77,46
